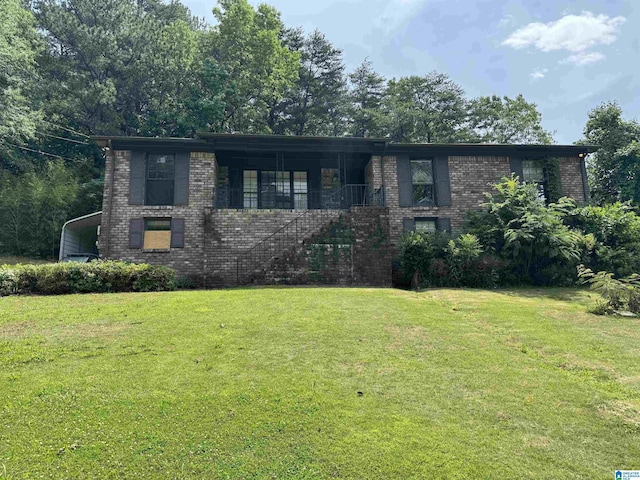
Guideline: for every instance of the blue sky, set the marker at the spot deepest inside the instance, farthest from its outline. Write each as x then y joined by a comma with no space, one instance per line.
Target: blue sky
565,56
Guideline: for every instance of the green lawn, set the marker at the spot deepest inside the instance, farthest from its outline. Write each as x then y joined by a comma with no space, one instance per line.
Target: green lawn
263,383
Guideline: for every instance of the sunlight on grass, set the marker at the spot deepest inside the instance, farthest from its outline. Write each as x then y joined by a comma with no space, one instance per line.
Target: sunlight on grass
317,383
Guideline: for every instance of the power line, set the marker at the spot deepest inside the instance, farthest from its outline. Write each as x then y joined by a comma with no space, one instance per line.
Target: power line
65,138
37,151
68,129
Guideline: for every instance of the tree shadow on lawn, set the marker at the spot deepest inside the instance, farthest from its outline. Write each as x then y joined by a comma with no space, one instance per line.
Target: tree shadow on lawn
565,294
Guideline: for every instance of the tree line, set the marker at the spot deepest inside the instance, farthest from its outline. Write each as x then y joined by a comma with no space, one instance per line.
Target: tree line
74,68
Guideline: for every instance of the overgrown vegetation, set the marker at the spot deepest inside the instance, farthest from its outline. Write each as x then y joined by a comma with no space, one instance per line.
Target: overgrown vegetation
614,170
436,260
100,276
617,295
613,235
517,239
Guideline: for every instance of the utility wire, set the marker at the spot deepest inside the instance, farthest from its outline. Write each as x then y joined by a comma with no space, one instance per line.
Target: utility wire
65,138
68,129
37,151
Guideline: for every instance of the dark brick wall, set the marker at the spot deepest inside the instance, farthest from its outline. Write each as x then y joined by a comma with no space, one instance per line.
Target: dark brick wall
352,249
470,178
571,178
114,232
229,233
215,238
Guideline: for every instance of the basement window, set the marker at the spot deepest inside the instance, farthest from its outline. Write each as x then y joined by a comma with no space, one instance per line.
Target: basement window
157,234
425,225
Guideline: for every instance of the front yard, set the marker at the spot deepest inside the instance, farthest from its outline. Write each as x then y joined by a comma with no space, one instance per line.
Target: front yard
317,383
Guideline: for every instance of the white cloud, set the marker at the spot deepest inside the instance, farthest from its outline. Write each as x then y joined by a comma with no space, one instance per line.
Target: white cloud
539,73
584,58
575,33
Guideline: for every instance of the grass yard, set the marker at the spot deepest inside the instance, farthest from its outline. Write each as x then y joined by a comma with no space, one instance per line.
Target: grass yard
263,383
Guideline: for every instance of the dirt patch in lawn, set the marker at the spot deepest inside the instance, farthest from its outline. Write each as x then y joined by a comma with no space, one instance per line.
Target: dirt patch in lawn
626,410
79,331
402,336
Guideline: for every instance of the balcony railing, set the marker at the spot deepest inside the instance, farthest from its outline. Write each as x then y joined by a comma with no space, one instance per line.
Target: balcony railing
342,198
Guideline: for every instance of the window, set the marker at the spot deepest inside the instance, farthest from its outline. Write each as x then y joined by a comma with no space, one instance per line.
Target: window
275,189
250,188
157,234
422,181
425,225
533,172
300,191
160,179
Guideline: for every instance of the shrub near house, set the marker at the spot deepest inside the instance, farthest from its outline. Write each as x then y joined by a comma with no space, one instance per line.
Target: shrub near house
516,239
102,276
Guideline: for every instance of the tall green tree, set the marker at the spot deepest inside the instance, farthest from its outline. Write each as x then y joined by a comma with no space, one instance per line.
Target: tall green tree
614,170
187,92
429,109
248,44
19,113
33,208
365,95
506,120
315,104
110,62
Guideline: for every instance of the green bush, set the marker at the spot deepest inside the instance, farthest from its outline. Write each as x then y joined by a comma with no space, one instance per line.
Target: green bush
101,276
617,294
614,233
436,260
528,235
417,251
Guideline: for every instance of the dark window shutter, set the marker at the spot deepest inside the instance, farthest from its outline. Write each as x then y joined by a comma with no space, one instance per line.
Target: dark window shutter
516,167
443,224
443,183
585,183
409,224
177,233
181,190
405,185
136,232
137,173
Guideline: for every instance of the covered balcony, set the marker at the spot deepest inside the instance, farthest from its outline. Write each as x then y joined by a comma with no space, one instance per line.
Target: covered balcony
294,181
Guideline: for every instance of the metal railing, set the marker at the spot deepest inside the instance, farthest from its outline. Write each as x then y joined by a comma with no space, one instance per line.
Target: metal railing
342,198
292,233
303,226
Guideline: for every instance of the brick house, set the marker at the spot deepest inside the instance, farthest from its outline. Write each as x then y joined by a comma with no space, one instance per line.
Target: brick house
226,209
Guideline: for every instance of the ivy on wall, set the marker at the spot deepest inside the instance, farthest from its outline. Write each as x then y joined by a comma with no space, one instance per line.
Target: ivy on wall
552,175
330,247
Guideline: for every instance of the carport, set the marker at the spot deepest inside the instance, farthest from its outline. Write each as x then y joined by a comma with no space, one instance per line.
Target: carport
80,235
